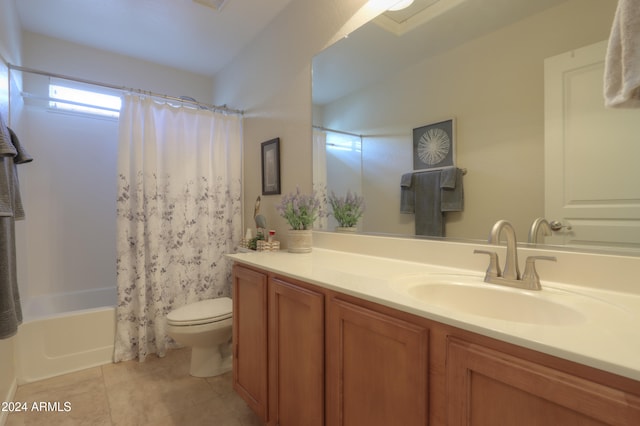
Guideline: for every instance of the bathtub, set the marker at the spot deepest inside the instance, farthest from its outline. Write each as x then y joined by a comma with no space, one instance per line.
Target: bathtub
65,332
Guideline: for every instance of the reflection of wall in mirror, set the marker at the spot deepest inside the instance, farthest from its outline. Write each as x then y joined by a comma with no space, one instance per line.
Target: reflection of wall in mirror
343,168
494,88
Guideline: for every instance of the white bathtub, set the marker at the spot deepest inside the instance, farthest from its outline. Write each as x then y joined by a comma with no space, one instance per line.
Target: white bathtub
65,332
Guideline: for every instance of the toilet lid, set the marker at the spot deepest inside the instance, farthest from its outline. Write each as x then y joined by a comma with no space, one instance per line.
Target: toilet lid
203,312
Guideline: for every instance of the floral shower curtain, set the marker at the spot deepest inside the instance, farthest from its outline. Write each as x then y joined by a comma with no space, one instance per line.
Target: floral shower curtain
178,212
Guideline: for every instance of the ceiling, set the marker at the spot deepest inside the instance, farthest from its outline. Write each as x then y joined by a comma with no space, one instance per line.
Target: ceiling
188,35
183,34
396,40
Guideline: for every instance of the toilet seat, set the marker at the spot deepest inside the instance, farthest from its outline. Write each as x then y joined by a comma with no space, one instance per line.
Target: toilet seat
203,312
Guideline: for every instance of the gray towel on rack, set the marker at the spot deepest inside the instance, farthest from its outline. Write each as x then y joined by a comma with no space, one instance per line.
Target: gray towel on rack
7,152
407,195
429,219
452,190
6,147
11,153
22,156
448,177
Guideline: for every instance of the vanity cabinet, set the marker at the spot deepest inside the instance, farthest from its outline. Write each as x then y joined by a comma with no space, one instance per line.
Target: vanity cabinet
250,366
490,387
278,357
388,367
376,368
296,355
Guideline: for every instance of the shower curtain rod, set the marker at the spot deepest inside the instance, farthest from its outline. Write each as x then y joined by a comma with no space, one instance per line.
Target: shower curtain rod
326,129
187,100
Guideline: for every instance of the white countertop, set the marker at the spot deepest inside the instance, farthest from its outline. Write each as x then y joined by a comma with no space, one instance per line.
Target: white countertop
607,338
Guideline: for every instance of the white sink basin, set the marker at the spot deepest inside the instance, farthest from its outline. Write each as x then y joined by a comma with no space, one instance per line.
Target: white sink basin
471,295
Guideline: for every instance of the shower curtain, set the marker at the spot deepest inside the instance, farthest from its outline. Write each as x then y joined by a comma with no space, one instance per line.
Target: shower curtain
178,213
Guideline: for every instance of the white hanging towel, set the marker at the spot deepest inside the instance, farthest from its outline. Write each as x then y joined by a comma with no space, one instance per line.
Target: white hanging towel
622,62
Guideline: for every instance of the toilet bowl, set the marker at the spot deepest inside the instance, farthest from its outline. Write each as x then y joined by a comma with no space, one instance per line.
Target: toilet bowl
205,326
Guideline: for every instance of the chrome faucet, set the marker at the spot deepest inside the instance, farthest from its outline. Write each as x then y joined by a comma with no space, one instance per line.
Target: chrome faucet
511,274
511,271
540,226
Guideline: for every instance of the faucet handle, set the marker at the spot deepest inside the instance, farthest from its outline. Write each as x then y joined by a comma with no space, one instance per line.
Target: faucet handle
530,275
493,271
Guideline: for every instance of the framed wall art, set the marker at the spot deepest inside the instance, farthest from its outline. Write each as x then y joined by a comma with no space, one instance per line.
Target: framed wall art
270,166
434,146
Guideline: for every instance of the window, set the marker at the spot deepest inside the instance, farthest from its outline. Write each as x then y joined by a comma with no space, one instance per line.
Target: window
343,142
83,98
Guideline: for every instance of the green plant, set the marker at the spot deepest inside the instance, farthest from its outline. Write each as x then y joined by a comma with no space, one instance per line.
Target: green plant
253,243
300,210
347,210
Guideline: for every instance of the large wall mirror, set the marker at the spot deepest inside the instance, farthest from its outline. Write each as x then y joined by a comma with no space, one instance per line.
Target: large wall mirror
481,62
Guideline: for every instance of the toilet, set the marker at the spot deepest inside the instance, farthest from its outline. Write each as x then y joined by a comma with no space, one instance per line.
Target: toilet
205,326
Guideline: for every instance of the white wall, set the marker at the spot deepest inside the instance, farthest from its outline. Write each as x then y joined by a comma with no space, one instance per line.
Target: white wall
271,80
10,36
493,86
69,193
74,60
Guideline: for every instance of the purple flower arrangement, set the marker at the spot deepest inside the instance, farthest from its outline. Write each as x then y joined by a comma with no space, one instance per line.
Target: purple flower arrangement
347,210
300,210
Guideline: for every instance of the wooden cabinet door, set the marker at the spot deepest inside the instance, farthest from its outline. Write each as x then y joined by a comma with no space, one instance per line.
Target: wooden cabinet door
296,355
376,368
487,387
250,338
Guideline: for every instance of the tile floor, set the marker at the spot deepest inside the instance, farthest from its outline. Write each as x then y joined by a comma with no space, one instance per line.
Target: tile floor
157,392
